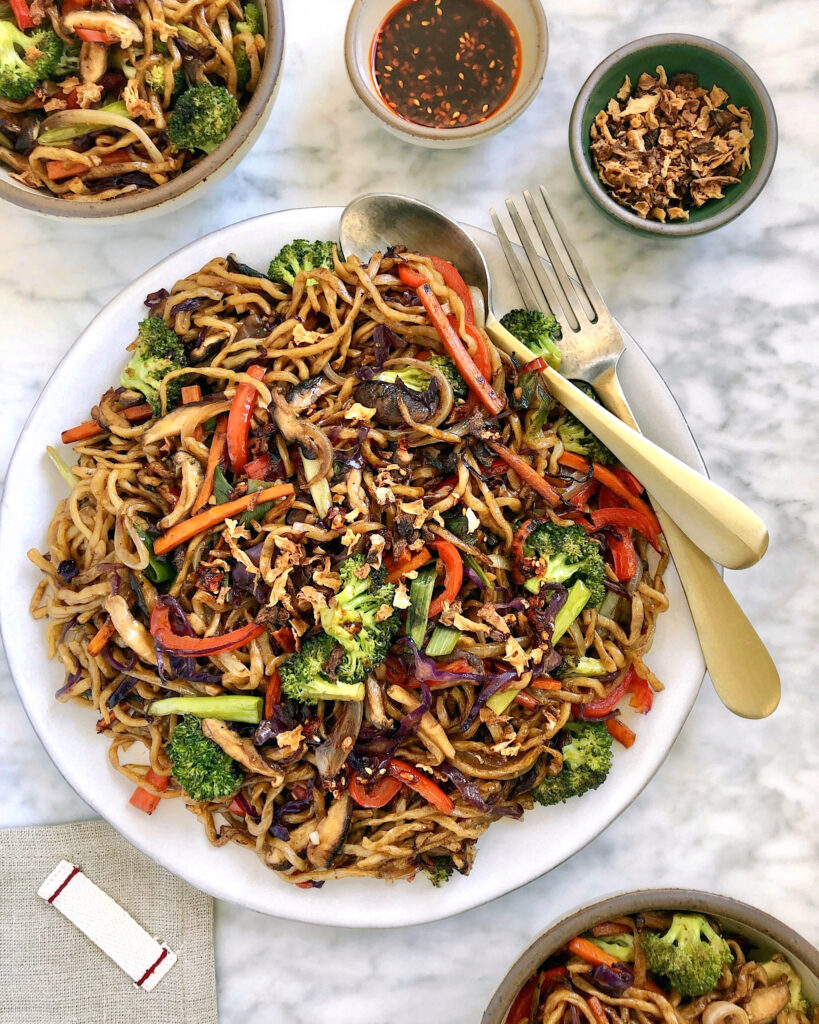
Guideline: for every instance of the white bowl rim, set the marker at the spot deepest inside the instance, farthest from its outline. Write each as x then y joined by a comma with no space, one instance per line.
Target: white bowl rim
637,901
680,228
502,118
251,120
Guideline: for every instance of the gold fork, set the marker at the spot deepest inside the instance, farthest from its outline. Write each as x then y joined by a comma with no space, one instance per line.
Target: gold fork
741,669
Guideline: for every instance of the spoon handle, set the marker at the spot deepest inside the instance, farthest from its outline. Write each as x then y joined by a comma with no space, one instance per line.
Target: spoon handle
718,523
741,669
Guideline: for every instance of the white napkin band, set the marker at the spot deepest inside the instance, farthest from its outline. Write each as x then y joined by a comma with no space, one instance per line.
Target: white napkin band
107,925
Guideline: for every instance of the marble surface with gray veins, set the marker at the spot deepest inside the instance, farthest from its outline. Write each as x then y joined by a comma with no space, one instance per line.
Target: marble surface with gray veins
731,321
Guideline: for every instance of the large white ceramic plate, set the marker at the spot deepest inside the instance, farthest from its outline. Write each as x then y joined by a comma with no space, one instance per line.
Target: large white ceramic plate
174,837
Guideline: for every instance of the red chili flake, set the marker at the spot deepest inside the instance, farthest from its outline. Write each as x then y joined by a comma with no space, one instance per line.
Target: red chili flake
446,63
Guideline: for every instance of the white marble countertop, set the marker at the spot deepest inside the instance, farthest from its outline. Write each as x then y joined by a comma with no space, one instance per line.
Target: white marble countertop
729,318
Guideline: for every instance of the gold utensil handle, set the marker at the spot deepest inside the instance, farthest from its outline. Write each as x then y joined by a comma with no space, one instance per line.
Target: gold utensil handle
718,523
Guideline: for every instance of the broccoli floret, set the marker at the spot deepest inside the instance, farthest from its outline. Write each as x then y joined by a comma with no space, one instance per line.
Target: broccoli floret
586,763
411,376
155,80
203,118
690,955
254,21
242,63
200,766
158,351
538,332
69,63
361,618
460,389
26,59
566,555
300,255
572,665
439,870
579,439
777,969
620,946
305,676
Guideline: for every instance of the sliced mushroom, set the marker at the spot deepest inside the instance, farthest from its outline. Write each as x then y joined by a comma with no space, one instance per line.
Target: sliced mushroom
93,62
331,832
301,396
117,26
135,635
185,419
383,396
240,748
430,731
766,1003
334,751
723,1012
192,477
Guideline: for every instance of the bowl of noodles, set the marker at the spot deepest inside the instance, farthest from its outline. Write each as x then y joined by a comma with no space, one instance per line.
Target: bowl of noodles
664,955
131,108
365,662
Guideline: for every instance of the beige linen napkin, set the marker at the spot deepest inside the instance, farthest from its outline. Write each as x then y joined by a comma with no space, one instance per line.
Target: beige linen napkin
50,972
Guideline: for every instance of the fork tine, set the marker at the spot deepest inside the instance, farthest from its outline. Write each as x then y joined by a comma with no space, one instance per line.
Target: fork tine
530,300
535,262
592,294
569,295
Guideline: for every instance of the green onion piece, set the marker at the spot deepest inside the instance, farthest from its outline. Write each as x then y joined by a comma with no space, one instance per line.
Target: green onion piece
320,490
257,514
575,603
158,570
443,641
501,700
474,564
61,136
420,596
229,708
62,465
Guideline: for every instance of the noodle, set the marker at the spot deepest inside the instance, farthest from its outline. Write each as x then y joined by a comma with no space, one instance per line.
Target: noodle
391,481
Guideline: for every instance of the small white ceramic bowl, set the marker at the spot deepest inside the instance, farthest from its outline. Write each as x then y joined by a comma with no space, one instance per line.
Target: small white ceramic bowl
367,16
198,177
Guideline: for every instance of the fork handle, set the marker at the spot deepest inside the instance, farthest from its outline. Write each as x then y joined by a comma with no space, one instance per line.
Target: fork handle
718,523
741,669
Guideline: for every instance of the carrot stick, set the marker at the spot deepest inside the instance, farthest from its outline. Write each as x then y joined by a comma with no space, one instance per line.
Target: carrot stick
545,683
191,393
526,700
404,565
620,731
590,953
145,801
217,447
134,413
597,1010
615,484
214,515
101,638
525,472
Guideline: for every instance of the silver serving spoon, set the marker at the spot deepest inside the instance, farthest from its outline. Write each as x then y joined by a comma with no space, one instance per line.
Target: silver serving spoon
741,669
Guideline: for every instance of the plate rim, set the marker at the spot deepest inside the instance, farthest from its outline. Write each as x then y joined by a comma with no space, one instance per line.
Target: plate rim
394,919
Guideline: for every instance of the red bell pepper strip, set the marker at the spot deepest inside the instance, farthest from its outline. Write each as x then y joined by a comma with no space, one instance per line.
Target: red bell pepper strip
145,801
591,953
88,35
455,283
608,499
239,417
273,693
615,484
198,646
537,365
454,347
629,479
257,469
453,576
22,15
285,639
627,519
521,1010
582,495
602,706
642,698
620,731
525,472
410,776
624,557
377,795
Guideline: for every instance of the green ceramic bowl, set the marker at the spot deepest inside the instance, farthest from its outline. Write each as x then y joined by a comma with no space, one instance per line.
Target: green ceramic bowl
713,64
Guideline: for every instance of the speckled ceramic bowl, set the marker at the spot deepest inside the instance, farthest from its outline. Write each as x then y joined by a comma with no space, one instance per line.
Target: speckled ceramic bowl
739,918
367,16
196,179
714,64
